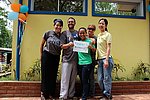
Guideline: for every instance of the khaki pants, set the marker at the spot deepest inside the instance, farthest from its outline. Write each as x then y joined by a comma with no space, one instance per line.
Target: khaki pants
68,78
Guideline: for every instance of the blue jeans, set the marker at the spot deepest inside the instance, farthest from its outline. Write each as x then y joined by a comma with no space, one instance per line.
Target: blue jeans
84,74
104,76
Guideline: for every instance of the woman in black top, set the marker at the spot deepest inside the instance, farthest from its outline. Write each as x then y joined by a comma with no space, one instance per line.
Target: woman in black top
50,50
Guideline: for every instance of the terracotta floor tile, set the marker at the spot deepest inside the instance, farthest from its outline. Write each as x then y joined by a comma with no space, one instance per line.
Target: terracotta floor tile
115,97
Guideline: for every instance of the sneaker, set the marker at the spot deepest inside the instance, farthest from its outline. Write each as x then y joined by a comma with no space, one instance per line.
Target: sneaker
42,97
102,98
62,99
50,98
75,98
108,96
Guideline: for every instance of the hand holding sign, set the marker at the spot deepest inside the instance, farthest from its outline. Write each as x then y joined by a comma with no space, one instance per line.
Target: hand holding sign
80,46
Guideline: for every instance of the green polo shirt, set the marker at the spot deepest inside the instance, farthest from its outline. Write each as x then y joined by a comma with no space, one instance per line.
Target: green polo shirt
85,58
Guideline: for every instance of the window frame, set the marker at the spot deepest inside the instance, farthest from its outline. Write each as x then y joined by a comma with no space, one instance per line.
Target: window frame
120,16
59,13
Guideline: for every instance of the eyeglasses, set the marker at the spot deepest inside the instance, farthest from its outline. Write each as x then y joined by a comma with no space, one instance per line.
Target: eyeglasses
91,29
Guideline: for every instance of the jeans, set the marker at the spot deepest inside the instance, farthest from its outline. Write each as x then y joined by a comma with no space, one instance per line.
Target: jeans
84,74
104,76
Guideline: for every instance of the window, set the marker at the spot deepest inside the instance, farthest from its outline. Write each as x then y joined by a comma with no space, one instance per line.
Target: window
76,7
119,8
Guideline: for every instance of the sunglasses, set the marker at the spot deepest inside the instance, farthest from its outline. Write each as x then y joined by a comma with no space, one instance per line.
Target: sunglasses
91,29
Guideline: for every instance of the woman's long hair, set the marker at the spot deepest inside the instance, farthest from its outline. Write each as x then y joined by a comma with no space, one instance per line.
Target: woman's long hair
106,23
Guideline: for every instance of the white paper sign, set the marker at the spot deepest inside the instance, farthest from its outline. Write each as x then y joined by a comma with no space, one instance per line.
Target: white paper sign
80,46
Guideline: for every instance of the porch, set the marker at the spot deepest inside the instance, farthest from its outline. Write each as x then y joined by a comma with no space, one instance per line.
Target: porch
32,88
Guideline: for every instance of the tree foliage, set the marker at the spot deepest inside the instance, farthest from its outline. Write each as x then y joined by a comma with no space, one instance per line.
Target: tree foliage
61,6
5,34
111,8
105,8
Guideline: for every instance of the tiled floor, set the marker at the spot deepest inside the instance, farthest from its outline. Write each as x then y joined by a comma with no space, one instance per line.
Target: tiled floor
115,97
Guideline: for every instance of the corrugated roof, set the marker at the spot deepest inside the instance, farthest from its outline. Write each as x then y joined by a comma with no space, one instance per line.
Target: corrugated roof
5,49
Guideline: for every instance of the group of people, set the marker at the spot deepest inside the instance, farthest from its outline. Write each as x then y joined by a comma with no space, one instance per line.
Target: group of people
73,62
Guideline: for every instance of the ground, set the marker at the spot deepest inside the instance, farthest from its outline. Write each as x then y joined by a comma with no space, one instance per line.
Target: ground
115,97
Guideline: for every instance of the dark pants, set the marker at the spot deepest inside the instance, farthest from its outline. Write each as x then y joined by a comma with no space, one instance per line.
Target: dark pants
92,81
49,68
84,74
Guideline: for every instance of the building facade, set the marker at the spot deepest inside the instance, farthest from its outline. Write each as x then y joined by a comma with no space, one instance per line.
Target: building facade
128,24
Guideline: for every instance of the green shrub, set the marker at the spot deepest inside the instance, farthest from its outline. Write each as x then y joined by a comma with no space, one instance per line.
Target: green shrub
34,72
116,69
142,72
